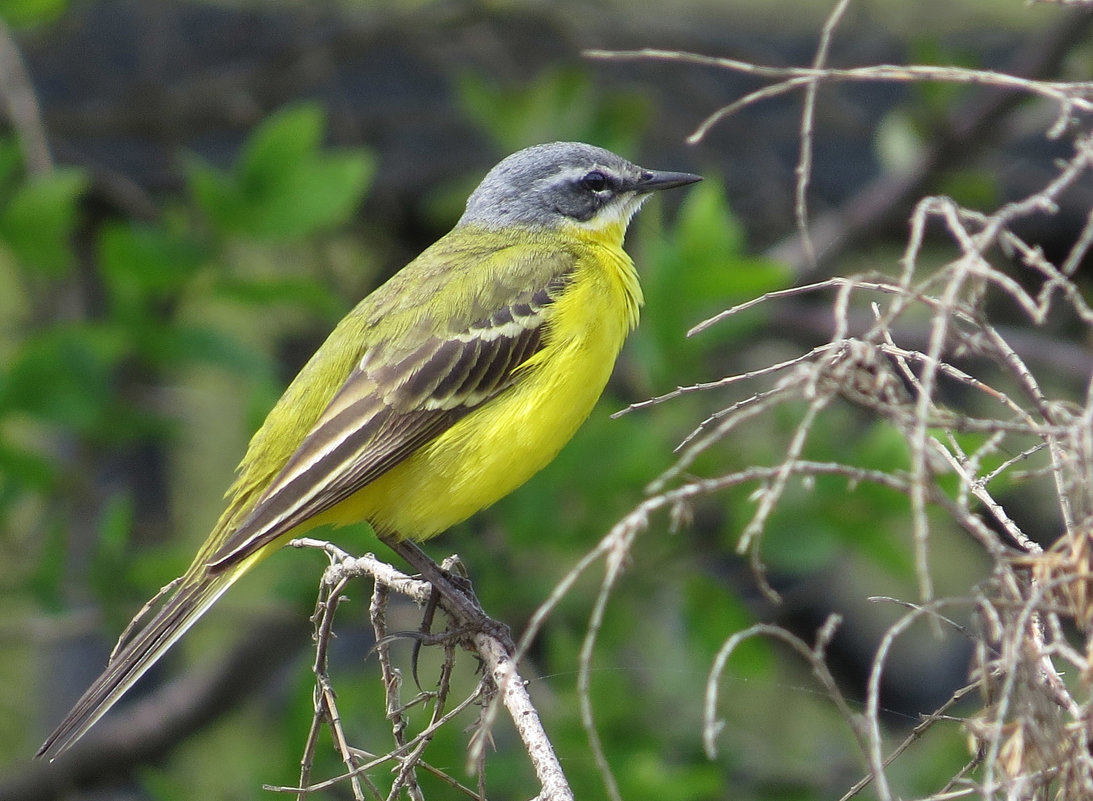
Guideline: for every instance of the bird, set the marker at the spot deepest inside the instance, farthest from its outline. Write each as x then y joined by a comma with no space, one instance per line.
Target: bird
444,390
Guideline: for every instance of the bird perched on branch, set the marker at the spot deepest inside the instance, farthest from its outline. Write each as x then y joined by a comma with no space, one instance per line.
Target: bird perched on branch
441,392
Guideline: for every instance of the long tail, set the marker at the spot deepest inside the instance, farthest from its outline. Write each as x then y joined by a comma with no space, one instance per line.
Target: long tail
197,591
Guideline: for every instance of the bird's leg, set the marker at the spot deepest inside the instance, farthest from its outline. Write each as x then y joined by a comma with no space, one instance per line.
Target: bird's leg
458,596
424,631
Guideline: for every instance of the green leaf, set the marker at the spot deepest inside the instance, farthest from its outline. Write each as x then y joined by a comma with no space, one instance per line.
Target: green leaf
311,195
190,344
973,188
284,186
26,468
65,375
214,192
559,104
38,219
898,143
19,13
11,161
288,136
144,262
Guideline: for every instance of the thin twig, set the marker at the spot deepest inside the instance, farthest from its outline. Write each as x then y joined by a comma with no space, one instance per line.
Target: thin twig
21,104
492,645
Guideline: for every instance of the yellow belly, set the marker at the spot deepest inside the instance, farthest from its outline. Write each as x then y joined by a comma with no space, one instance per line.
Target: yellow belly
499,446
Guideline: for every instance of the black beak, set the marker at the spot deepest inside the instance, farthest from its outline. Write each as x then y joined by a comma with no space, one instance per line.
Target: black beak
654,181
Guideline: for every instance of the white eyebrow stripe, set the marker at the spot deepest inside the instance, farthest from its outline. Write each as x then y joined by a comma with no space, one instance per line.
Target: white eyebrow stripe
573,174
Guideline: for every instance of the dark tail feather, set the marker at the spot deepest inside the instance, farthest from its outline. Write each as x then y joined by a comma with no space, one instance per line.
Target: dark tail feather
134,658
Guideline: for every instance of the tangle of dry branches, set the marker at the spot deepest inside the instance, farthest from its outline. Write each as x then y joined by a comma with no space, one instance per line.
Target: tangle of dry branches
472,630
1034,616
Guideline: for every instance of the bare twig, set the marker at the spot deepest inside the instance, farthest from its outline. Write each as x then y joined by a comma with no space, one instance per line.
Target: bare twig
489,641
514,695
808,119
972,121
21,104
1070,97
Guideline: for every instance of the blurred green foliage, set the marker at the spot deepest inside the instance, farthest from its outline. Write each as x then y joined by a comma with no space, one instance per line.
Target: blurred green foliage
283,186
82,350
39,214
560,104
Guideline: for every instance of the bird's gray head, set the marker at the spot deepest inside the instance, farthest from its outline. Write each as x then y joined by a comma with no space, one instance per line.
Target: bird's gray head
549,185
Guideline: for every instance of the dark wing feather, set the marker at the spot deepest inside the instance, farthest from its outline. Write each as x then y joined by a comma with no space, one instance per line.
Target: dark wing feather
386,410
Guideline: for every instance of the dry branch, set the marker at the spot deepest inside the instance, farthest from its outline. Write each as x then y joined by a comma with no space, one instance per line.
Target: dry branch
471,628
1033,729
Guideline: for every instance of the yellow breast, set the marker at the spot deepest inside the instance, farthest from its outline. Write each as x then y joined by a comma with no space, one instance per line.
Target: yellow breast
507,440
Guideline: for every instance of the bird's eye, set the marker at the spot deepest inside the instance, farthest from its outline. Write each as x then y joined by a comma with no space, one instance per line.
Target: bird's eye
595,181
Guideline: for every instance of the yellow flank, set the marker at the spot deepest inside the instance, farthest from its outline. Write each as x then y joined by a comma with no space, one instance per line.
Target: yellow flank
499,446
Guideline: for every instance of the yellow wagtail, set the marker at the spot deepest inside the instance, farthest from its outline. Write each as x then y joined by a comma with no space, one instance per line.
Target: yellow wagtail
441,392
